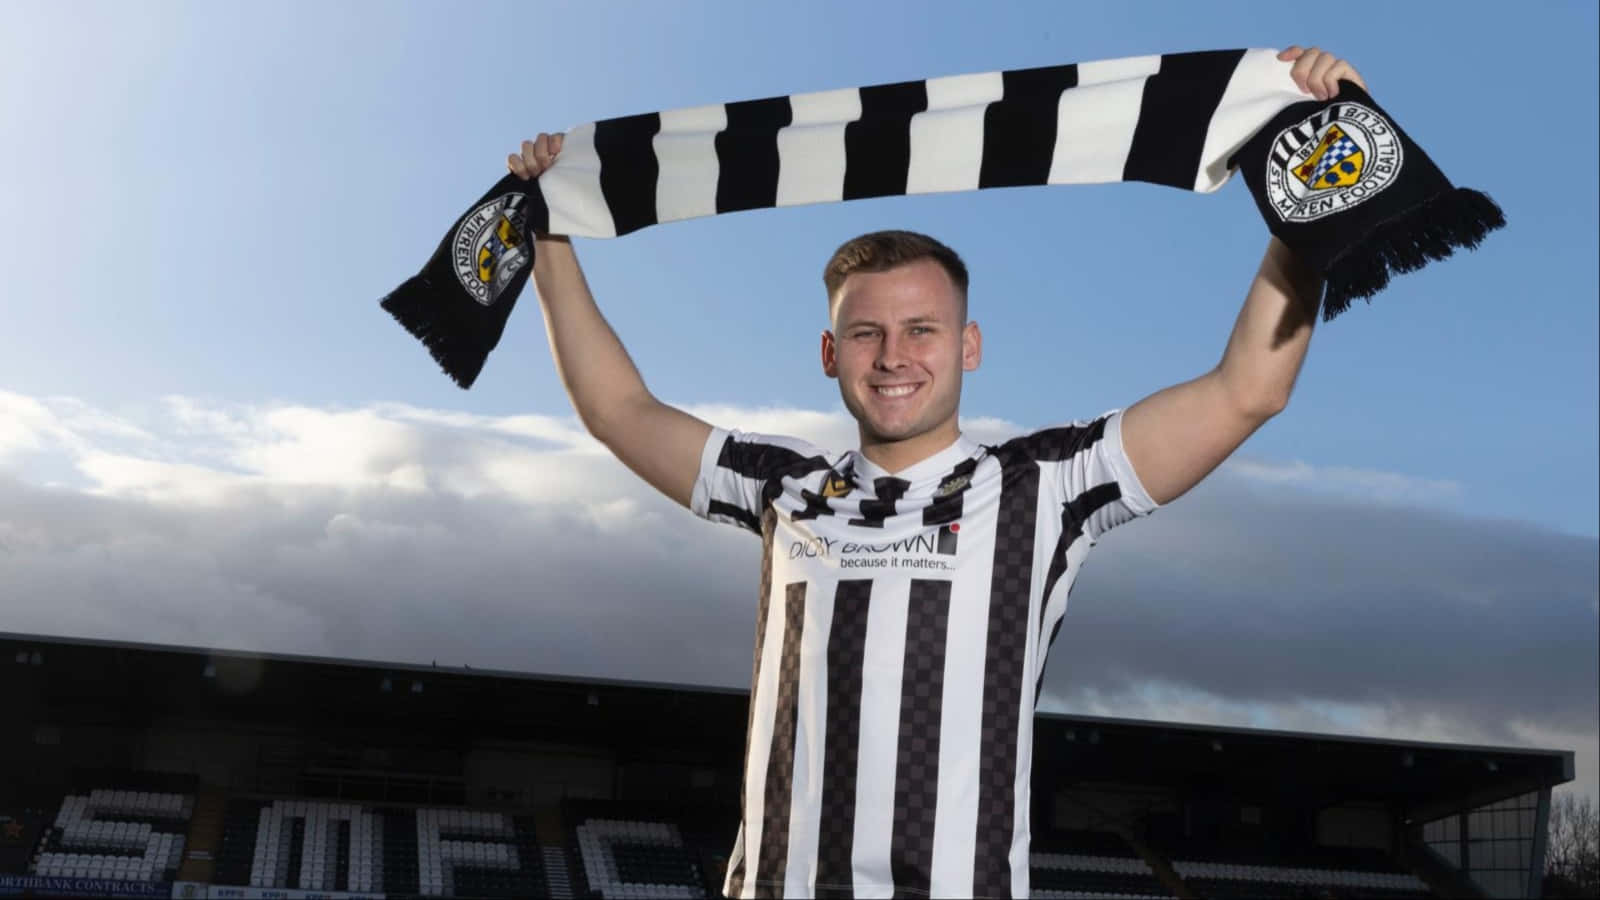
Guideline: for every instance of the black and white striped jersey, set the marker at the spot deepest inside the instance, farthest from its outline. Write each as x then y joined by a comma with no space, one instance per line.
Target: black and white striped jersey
901,635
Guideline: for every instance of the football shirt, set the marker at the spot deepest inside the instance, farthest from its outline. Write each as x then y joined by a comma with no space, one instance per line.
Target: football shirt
902,627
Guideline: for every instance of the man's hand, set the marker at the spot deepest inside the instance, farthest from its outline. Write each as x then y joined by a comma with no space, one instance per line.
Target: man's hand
1317,72
537,155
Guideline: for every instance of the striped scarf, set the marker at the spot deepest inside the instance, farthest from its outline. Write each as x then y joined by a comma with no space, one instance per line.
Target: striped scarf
1337,181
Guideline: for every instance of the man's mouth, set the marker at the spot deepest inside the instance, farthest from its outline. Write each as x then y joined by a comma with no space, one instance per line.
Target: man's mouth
895,390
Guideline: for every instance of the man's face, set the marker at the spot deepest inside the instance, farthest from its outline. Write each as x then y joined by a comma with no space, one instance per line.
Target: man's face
898,348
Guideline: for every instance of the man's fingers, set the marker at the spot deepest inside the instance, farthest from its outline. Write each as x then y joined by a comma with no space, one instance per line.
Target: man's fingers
1318,73
1348,73
536,155
1324,86
1303,68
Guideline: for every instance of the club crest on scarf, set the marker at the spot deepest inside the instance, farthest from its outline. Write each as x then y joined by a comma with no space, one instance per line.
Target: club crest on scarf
1334,159
489,249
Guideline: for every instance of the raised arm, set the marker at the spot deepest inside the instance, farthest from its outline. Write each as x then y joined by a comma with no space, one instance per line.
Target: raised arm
658,442
1177,436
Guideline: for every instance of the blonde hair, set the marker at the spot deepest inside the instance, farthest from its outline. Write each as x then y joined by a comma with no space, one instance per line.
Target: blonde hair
880,251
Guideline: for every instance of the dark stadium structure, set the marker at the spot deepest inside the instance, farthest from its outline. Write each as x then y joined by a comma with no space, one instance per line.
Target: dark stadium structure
142,771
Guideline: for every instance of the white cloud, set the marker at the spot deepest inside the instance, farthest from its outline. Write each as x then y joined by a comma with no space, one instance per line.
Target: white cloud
1275,595
1370,485
1163,701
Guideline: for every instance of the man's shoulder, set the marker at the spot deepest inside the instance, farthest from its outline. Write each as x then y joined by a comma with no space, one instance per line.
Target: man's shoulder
767,455
1054,443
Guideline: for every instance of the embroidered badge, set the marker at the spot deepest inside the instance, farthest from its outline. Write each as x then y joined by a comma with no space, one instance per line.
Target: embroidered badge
954,484
488,249
1334,159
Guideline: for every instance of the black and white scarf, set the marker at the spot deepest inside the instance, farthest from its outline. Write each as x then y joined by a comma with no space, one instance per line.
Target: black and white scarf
1337,181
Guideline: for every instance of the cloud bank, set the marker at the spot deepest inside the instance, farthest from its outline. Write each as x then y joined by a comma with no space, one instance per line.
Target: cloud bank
1278,594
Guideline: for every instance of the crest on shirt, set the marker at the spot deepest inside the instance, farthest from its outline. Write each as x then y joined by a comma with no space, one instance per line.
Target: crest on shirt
953,484
488,249
835,485
1338,157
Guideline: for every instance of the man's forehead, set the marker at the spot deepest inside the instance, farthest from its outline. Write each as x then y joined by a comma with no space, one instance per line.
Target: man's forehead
903,296
862,316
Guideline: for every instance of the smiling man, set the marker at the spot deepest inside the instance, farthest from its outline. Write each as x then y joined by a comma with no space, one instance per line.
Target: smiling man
911,588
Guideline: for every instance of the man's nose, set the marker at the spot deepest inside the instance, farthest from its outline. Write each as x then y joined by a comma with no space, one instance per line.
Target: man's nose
889,353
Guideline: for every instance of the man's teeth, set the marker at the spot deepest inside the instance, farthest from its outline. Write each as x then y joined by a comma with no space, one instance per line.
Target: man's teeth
897,390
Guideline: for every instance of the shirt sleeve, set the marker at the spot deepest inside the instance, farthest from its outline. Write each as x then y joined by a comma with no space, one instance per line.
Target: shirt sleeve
1098,481
740,473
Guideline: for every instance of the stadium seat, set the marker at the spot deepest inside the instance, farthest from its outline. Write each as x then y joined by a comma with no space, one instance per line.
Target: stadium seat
321,846
1214,877
116,835
629,858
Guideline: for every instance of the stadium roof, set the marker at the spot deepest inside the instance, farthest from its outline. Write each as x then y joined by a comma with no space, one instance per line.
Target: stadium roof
61,679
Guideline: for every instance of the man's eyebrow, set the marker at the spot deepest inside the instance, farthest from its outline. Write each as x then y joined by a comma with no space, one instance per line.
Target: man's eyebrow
922,319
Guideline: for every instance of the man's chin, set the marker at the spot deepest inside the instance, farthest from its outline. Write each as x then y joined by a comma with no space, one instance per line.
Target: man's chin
890,435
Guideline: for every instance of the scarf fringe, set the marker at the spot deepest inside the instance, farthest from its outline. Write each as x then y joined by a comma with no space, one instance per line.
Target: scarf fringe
1459,217
433,317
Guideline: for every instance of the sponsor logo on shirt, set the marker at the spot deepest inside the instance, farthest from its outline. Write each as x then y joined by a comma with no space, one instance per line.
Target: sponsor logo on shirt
905,553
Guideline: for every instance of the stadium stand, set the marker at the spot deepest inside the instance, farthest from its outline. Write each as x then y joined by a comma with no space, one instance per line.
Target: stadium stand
1087,863
556,869
625,858
19,832
312,845
1073,875
115,835
184,772
1216,869
1232,879
622,850
479,853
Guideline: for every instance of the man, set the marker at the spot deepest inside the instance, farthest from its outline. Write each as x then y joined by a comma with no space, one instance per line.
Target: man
911,589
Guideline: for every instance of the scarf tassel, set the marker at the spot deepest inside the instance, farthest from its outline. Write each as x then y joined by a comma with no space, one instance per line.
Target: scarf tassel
1459,217
456,332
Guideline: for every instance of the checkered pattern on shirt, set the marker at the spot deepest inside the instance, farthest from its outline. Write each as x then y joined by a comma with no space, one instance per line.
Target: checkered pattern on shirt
774,857
916,774
1003,672
734,883
847,642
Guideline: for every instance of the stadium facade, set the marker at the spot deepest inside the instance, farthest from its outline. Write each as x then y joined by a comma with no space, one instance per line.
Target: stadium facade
157,771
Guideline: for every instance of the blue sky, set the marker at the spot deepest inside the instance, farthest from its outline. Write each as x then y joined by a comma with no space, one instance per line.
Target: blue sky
209,199
205,202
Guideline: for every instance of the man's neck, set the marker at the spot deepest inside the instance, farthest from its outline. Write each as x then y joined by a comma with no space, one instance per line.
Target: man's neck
897,456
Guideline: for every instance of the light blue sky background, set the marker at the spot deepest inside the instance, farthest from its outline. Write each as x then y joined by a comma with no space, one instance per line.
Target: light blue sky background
209,199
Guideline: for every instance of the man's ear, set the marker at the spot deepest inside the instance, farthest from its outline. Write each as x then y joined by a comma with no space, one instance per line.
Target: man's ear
830,359
971,347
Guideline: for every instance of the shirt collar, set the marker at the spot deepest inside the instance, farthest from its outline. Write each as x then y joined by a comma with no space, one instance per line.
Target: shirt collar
866,471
